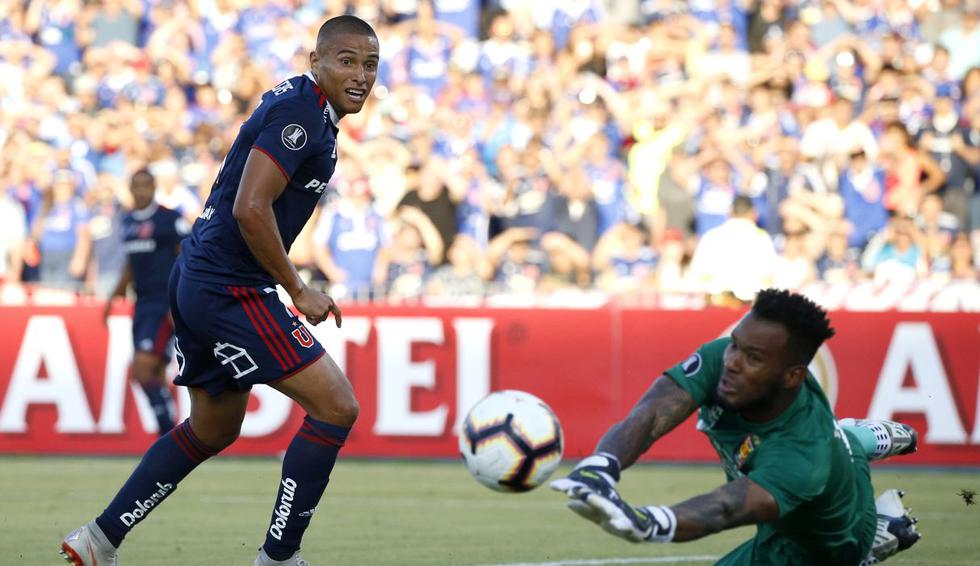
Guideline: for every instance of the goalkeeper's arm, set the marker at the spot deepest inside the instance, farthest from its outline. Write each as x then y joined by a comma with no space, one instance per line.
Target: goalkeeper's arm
739,502
664,406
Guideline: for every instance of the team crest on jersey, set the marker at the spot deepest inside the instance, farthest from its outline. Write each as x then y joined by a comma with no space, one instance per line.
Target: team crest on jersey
302,335
294,137
745,450
691,365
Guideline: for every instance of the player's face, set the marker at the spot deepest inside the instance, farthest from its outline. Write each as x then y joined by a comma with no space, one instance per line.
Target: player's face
754,366
142,189
346,69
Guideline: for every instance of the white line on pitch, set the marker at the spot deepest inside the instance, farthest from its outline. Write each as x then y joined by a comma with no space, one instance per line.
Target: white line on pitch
611,561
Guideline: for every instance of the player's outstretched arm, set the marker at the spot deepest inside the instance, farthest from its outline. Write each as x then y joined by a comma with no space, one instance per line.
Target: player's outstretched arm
262,183
737,503
664,406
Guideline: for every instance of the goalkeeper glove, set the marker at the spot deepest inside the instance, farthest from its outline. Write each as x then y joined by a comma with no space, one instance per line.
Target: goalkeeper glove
596,474
635,524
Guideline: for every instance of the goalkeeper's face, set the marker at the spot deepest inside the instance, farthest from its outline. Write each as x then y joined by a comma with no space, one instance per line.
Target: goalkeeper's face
345,68
755,369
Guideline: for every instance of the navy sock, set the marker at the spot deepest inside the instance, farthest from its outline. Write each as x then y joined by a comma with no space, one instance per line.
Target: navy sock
162,403
168,461
305,473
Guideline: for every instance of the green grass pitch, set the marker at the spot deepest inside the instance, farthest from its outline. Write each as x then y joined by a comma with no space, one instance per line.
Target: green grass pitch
408,513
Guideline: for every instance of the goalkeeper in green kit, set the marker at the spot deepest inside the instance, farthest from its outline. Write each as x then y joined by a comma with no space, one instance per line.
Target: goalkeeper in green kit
793,470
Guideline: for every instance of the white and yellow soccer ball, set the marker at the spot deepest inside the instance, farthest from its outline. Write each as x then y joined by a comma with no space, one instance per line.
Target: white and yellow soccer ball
511,441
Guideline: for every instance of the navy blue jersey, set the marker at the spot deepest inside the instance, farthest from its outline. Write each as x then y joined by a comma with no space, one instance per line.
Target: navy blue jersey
150,238
296,127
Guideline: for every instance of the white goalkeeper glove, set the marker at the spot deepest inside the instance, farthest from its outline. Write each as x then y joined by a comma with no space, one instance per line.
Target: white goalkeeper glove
591,488
635,524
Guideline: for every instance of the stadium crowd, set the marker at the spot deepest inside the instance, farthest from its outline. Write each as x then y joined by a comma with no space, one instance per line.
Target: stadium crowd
519,146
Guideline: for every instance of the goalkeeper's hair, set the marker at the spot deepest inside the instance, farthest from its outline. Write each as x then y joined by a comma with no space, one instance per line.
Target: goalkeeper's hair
342,25
805,322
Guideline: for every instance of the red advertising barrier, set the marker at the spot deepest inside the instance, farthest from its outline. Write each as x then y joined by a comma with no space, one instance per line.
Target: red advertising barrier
64,388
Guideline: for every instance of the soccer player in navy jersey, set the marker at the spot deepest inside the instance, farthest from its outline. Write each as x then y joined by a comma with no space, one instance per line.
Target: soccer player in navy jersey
151,237
232,331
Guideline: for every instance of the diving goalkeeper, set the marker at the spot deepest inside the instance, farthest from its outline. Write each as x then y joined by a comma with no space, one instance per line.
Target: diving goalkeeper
793,470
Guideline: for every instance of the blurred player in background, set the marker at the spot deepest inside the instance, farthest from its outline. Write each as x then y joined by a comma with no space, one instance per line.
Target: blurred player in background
792,469
232,330
151,238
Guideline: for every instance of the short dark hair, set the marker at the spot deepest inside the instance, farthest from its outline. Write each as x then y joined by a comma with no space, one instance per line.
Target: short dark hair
742,205
145,172
341,25
805,322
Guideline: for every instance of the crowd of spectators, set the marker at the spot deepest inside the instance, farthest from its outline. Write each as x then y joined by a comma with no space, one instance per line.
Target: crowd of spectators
521,146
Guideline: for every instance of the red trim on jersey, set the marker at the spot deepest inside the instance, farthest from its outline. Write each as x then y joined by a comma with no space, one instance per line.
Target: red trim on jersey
259,327
319,93
281,336
274,160
297,370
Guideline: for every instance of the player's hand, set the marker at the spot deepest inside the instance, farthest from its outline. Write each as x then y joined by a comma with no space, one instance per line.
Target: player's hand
316,306
634,524
596,474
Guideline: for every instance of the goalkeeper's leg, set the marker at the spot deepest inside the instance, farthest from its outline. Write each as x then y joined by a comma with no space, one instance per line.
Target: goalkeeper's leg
895,530
882,439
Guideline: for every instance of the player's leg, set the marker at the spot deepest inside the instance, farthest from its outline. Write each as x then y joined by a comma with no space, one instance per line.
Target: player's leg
153,333
326,395
214,424
149,372
217,410
892,526
263,342
881,438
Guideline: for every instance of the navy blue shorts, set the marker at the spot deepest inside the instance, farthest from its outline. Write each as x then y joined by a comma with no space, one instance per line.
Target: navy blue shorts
153,329
233,337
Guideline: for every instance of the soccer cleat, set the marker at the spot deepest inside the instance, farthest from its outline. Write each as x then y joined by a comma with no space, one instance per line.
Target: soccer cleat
896,528
88,546
264,559
893,438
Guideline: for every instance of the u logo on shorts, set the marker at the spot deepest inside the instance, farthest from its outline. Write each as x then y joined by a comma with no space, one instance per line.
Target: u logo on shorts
302,335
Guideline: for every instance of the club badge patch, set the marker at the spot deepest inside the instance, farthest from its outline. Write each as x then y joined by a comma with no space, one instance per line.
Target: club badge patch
745,450
294,137
691,365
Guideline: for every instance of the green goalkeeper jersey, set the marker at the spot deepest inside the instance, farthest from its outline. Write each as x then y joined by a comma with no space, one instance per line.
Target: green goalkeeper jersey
817,475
